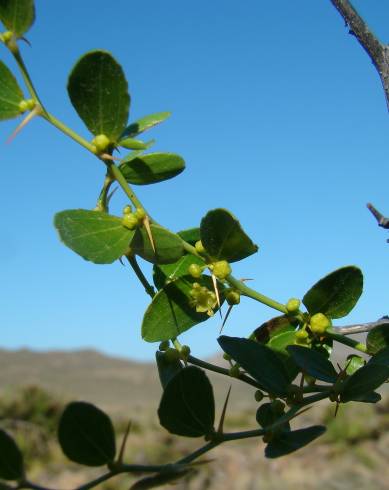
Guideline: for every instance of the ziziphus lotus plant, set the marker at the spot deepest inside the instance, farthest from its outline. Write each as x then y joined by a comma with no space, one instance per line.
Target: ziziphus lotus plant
286,363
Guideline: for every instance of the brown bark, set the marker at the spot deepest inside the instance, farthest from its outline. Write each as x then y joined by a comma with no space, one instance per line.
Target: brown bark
377,51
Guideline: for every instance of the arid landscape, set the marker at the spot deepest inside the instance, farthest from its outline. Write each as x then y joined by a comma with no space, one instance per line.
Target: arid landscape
353,454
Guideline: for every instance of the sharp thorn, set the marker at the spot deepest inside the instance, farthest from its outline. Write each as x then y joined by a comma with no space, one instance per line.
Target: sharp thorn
224,411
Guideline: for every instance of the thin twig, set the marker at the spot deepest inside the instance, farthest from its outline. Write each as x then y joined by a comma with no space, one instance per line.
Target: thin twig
361,327
377,51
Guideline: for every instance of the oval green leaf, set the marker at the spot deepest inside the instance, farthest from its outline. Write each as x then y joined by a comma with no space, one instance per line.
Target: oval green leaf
167,369
267,416
11,458
94,235
170,313
365,380
336,294
223,238
259,361
378,338
353,363
187,406
313,363
273,327
11,94
143,124
163,274
168,247
152,168
288,442
86,435
133,144
98,91
278,344
17,15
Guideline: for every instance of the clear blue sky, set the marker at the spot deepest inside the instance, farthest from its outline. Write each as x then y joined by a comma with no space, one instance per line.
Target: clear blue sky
280,117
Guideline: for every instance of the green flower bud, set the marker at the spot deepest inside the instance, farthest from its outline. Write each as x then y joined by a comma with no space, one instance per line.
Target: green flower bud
293,305
23,106
185,352
127,209
171,355
195,270
301,334
7,36
319,323
278,407
233,297
258,396
164,345
234,371
140,213
227,357
130,221
101,142
199,247
221,269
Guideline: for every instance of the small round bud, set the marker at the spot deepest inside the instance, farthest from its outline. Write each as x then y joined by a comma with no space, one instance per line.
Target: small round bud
101,142
258,396
23,106
301,334
30,104
130,221
199,247
227,357
194,270
185,352
234,371
319,323
171,355
164,345
140,213
221,269
233,297
7,36
127,209
293,305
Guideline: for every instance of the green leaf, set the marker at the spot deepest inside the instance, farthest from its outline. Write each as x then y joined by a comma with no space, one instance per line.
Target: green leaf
17,15
160,479
191,235
378,338
313,363
259,361
11,94
187,406
98,91
278,344
163,274
223,237
145,123
11,459
273,327
132,144
86,435
170,313
168,246
354,363
167,369
152,168
267,416
288,442
336,294
94,235
367,379
381,357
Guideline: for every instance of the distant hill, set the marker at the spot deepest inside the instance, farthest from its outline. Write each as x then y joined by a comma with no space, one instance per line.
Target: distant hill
118,385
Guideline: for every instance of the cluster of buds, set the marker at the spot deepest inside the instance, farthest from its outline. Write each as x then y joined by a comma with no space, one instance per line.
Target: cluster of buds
132,219
203,300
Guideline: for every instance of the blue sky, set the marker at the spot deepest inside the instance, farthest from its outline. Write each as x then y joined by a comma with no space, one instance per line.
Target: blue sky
281,119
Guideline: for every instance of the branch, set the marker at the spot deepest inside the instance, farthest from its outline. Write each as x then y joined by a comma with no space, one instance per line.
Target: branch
378,52
362,327
381,220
